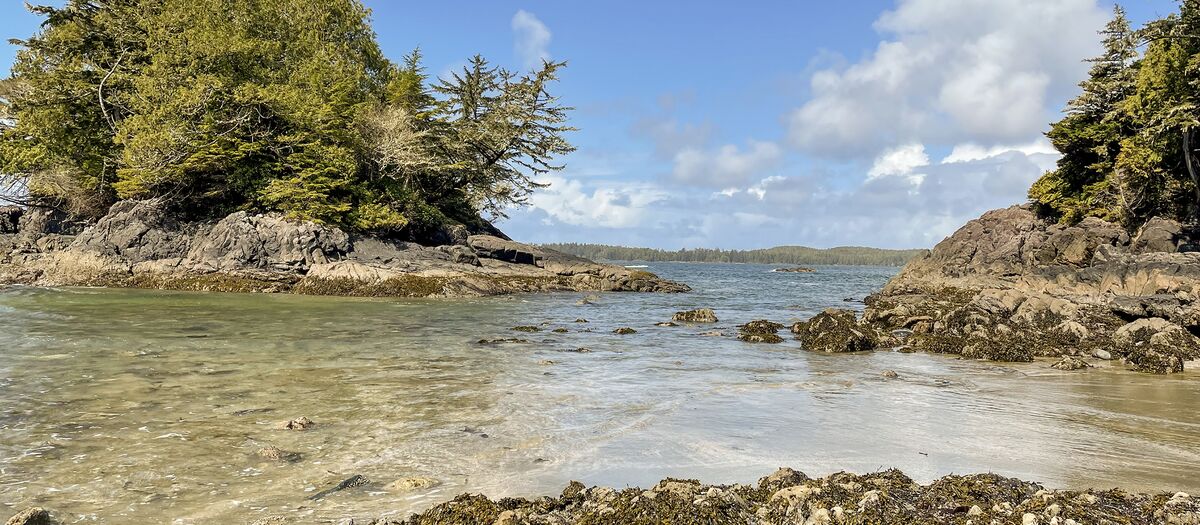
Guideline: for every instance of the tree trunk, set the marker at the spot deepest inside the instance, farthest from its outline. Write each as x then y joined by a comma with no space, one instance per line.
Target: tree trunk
1187,158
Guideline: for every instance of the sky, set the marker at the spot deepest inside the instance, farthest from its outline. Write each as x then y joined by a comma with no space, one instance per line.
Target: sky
756,124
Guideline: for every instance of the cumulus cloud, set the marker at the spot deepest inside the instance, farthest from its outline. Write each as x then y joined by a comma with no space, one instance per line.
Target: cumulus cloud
901,160
951,70
531,39
609,206
725,166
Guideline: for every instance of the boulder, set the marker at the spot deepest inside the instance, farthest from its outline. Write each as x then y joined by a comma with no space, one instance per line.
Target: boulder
834,331
300,423
35,222
1157,235
701,315
1155,345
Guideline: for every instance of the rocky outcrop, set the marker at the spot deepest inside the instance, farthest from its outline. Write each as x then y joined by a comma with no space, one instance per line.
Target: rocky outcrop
760,331
140,244
887,497
1010,286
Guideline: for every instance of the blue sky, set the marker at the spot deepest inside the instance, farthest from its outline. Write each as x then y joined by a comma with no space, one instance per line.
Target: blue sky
880,123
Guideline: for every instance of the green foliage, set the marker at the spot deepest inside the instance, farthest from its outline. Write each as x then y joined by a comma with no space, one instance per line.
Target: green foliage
1127,141
845,255
269,105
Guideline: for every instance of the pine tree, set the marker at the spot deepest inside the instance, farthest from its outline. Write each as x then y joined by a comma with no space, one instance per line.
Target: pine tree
1090,135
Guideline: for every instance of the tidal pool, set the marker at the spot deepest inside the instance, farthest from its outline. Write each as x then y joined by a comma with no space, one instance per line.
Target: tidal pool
122,406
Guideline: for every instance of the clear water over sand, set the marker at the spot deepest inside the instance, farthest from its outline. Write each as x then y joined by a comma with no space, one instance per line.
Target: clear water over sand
122,406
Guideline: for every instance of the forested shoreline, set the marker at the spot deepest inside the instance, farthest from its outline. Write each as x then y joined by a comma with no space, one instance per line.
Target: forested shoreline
288,107
842,255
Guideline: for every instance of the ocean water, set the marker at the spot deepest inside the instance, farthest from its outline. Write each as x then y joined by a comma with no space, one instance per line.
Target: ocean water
132,406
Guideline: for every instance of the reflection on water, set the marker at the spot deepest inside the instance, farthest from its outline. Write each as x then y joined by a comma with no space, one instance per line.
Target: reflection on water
120,406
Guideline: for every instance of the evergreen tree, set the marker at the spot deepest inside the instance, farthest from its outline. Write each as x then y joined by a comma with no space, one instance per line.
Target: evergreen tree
1090,135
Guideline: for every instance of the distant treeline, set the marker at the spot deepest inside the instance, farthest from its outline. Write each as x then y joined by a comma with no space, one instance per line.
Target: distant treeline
843,255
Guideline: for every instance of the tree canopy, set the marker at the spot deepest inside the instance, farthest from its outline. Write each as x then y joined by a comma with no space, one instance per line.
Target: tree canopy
1128,141
267,105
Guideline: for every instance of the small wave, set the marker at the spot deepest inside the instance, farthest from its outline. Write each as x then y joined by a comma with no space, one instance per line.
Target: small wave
637,266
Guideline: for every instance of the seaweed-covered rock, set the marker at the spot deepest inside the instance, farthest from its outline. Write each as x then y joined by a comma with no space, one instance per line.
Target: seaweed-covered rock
1155,345
32,516
701,315
300,423
788,497
759,338
526,328
624,331
835,330
761,326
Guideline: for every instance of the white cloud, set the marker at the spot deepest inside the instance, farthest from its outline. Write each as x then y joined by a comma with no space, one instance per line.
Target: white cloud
901,160
606,206
531,39
725,166
951,71
968,151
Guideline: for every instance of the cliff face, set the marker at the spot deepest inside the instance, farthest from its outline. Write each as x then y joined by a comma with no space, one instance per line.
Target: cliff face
139,244
1010,286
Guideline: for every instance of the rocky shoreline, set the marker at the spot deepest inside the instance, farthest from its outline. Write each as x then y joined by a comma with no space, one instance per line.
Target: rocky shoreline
789,497
138,244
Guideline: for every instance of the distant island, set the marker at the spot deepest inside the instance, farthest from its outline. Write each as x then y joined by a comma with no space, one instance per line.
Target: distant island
841,255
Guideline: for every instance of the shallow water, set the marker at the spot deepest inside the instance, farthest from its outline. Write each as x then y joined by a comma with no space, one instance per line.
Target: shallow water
120,406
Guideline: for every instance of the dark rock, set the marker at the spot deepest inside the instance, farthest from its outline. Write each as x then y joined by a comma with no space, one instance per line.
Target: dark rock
502,341
348,483
581,320
835,330
10,217
702,315
890,374
526,328
35,222
624,331
760,338
761,326
490,247
799,269
560,330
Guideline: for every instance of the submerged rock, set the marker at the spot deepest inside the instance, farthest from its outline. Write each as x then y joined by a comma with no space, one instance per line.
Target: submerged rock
890,374
701,315
412,484
274,453
348,483
1070,362
798,269
624,331
510,340
527,329
835,330
300,423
